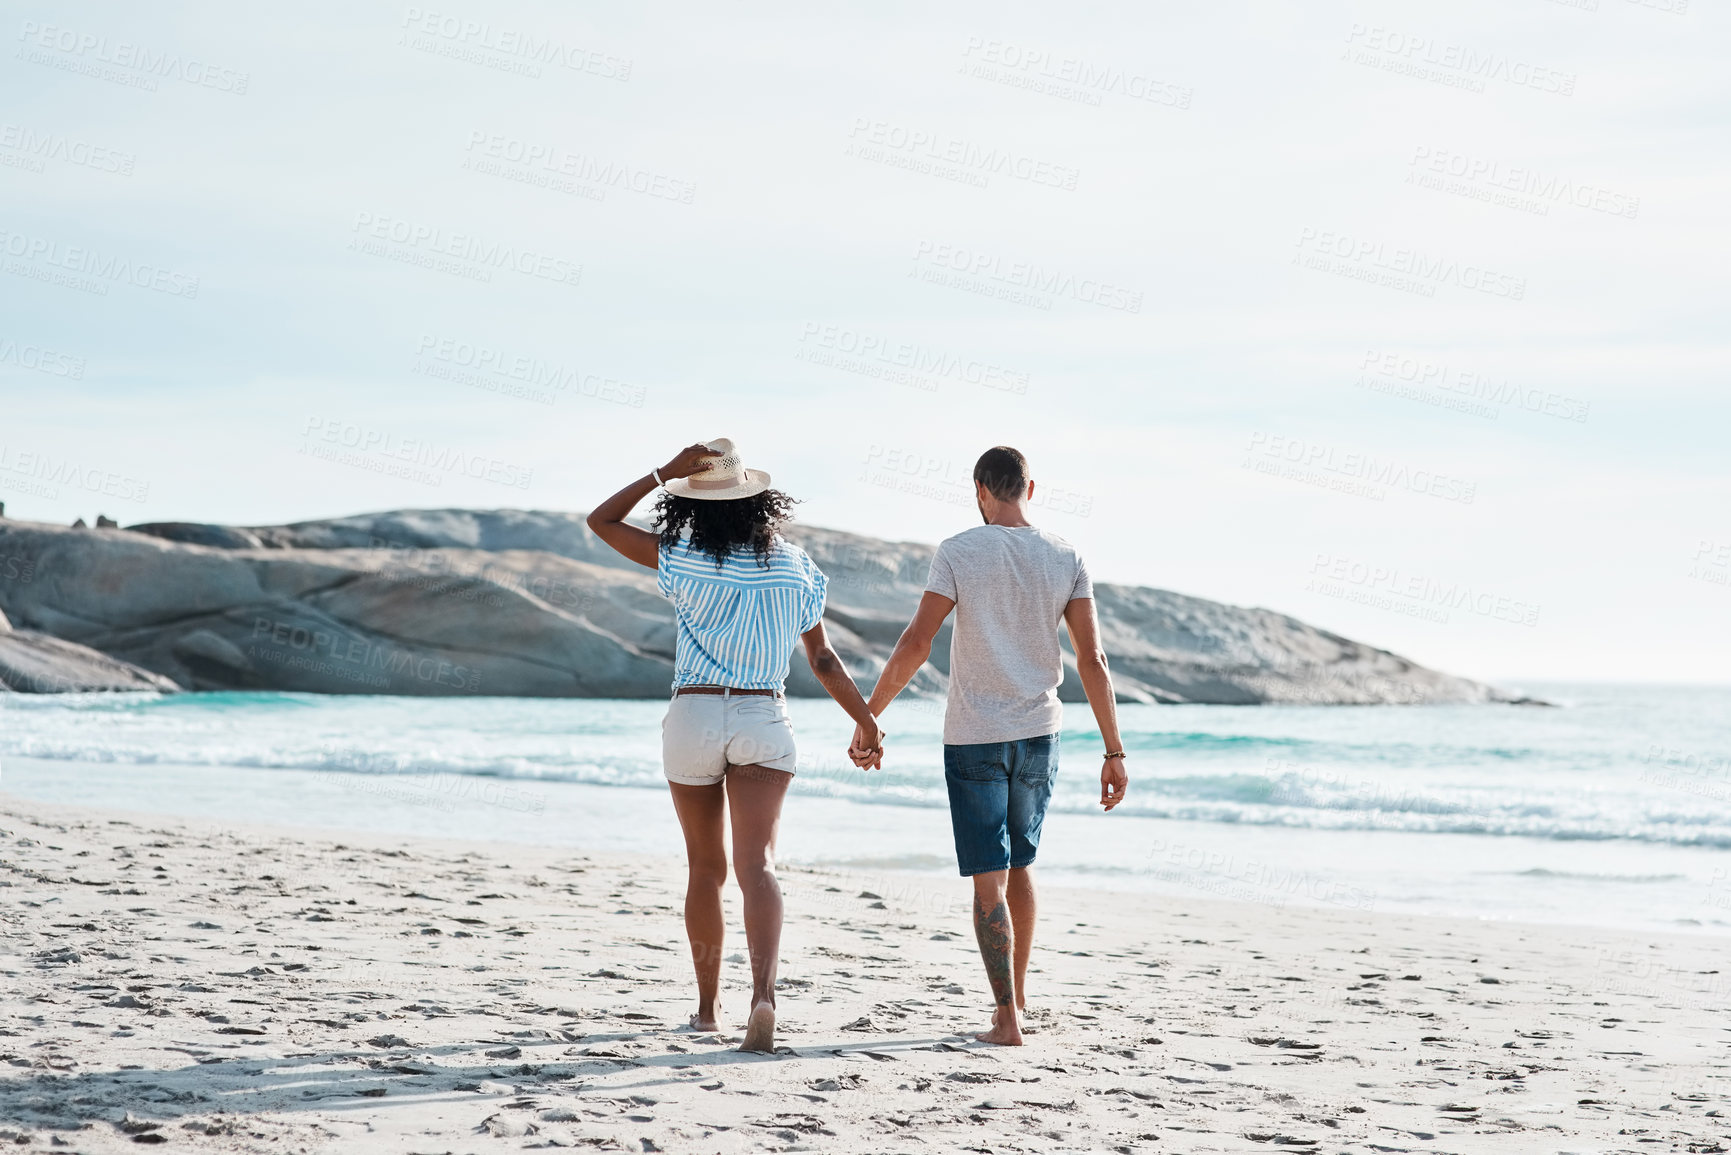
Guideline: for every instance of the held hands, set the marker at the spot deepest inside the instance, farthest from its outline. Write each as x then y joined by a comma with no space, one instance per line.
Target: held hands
1113,782
867,749
686,462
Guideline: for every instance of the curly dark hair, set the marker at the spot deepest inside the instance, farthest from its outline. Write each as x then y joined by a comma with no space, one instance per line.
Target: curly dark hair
721,528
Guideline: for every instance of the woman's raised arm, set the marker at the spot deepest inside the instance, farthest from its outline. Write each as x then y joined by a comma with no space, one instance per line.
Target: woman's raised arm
607,520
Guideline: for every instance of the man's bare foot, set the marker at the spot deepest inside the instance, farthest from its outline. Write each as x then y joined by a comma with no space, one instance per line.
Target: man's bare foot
705,1024
1005,1032
760,1029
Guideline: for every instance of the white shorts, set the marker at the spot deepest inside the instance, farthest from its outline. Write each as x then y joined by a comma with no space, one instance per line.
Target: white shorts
703,734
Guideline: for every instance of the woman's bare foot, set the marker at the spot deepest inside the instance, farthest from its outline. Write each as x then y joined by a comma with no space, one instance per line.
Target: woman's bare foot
760,1029
705,1024
1005,1032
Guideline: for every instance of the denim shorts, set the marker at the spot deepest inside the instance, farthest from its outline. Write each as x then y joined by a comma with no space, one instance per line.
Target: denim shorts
998,797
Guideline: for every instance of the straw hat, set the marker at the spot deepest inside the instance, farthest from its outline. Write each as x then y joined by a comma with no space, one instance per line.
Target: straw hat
721,478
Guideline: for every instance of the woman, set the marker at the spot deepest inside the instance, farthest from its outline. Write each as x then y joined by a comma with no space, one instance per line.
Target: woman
741,596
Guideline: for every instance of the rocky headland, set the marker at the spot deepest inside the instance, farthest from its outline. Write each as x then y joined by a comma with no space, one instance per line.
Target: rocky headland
530,603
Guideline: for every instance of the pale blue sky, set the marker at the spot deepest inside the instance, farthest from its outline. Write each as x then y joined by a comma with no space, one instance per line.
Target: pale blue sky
1216,153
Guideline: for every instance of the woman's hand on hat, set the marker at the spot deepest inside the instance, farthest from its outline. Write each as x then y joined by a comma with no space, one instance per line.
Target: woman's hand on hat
687,461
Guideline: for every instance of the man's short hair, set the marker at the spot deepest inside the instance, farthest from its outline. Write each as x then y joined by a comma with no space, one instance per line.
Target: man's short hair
1003,471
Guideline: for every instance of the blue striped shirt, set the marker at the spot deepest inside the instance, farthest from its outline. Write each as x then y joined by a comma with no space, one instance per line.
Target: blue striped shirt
738,622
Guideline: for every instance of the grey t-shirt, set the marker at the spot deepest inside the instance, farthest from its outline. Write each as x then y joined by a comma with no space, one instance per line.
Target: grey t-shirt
1010,586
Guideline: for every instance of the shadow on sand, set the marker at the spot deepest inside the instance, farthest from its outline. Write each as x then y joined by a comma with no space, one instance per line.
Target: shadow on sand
348,1080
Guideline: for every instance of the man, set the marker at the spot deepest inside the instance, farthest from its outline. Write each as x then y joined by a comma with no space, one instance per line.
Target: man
1010,583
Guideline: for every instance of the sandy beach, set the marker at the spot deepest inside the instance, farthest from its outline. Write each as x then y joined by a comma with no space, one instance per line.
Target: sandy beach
213,987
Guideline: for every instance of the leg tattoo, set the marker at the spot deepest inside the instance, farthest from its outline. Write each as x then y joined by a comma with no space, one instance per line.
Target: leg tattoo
992,928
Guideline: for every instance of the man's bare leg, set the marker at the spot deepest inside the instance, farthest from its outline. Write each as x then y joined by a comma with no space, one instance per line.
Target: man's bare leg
701,811
997,937
754,796
1023,909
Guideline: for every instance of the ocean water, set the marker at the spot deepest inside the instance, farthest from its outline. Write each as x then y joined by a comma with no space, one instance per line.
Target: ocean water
1612,809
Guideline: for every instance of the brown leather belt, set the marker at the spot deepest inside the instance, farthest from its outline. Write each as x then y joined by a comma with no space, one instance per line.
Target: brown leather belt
728,690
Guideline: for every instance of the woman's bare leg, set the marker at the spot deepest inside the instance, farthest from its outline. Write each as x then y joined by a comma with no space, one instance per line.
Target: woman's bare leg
701,812
754,797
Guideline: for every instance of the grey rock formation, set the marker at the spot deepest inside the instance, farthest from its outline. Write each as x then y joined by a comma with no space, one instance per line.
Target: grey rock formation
39,664
530,603
197,533
434,622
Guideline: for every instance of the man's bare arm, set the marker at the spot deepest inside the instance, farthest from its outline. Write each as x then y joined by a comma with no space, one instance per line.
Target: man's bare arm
1084,629
912,650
